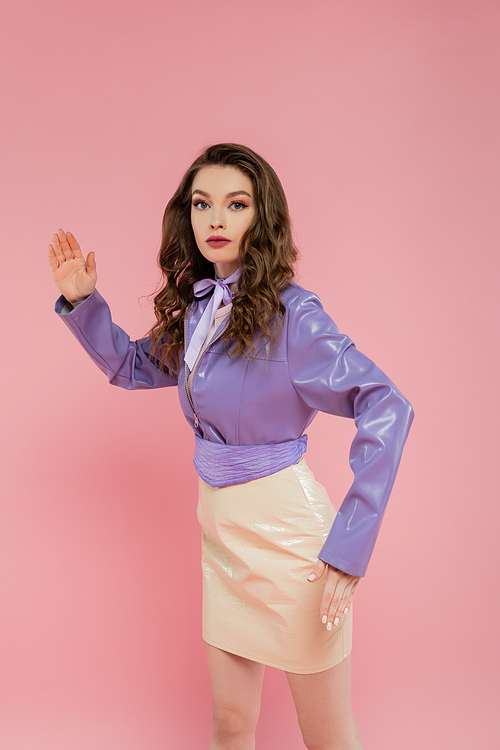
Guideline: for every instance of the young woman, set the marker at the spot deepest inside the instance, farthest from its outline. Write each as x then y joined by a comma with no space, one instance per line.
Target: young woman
255,357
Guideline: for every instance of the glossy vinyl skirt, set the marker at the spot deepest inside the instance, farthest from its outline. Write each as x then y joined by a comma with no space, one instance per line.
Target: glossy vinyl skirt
260,541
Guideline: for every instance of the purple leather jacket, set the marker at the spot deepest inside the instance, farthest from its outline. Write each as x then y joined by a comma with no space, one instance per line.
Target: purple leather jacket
274,397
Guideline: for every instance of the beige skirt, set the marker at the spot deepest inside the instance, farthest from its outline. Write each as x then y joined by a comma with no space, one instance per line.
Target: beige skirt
260,541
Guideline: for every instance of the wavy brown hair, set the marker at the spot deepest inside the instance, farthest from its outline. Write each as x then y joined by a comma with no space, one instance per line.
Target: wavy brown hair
267,257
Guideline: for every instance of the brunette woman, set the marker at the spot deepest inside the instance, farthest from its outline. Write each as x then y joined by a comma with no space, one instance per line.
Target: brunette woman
254,357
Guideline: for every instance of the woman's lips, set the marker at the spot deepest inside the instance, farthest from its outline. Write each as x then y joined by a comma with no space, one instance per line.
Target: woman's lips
217,243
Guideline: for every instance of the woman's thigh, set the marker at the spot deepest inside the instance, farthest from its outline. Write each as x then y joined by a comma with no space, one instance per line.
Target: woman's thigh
323,704
236,683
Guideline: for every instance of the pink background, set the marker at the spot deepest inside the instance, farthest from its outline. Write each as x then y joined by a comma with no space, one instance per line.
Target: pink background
382,120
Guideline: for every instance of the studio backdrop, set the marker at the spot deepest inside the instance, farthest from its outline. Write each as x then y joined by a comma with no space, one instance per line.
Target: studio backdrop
382,121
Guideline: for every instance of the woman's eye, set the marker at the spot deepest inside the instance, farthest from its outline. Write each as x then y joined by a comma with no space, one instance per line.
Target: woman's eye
236,205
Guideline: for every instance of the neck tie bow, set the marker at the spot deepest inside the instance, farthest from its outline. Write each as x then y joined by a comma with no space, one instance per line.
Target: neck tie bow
221,293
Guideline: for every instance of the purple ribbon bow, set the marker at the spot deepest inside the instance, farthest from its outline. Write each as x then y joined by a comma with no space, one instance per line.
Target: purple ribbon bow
222,293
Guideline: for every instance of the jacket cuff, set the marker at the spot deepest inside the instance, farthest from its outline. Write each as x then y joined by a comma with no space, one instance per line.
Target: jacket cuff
344,565
64,307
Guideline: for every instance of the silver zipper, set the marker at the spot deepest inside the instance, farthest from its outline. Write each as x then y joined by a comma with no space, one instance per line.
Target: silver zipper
189,379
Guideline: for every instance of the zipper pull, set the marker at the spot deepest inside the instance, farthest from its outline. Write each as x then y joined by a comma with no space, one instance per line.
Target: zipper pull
196,421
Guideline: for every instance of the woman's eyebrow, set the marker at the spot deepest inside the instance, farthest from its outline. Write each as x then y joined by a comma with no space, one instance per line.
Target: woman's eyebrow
229,195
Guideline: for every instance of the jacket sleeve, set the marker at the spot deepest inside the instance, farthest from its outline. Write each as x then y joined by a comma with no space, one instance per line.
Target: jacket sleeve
332,376
125,362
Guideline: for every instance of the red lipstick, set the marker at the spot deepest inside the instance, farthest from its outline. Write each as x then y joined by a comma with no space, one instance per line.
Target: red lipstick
216,240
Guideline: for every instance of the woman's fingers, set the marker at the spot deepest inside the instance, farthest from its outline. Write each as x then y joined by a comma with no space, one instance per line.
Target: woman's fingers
90,263
74,276
52,259
73,244
58,252
337,596
66,248
317,571
341,603
64,244
331,600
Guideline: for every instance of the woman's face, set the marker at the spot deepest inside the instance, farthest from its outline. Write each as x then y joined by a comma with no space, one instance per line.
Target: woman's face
222,206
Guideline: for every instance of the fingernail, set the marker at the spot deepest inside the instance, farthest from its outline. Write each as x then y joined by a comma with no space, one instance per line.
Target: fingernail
346,610
311,577
323,619
336,621
329,626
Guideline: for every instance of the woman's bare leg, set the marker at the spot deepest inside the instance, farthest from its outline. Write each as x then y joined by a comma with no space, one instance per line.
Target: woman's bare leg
236,693
323,703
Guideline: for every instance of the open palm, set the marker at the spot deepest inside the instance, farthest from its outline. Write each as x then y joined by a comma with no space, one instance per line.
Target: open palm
74,276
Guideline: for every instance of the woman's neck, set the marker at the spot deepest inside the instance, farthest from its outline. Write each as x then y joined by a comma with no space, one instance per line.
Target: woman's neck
224,270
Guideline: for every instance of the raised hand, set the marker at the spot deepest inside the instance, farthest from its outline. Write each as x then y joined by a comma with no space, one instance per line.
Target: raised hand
74,276
338,593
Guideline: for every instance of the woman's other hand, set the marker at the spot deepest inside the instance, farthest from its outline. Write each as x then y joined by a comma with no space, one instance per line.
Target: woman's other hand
74,276
338,593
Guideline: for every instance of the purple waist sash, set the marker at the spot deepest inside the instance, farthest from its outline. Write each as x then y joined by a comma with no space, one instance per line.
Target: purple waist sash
220,465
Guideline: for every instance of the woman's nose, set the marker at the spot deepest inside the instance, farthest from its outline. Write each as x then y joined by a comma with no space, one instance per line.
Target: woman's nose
217,223
216,220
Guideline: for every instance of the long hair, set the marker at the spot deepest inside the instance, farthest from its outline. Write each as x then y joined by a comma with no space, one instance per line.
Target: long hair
267,257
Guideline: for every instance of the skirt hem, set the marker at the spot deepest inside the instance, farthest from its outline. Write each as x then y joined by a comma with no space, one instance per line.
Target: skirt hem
268,663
